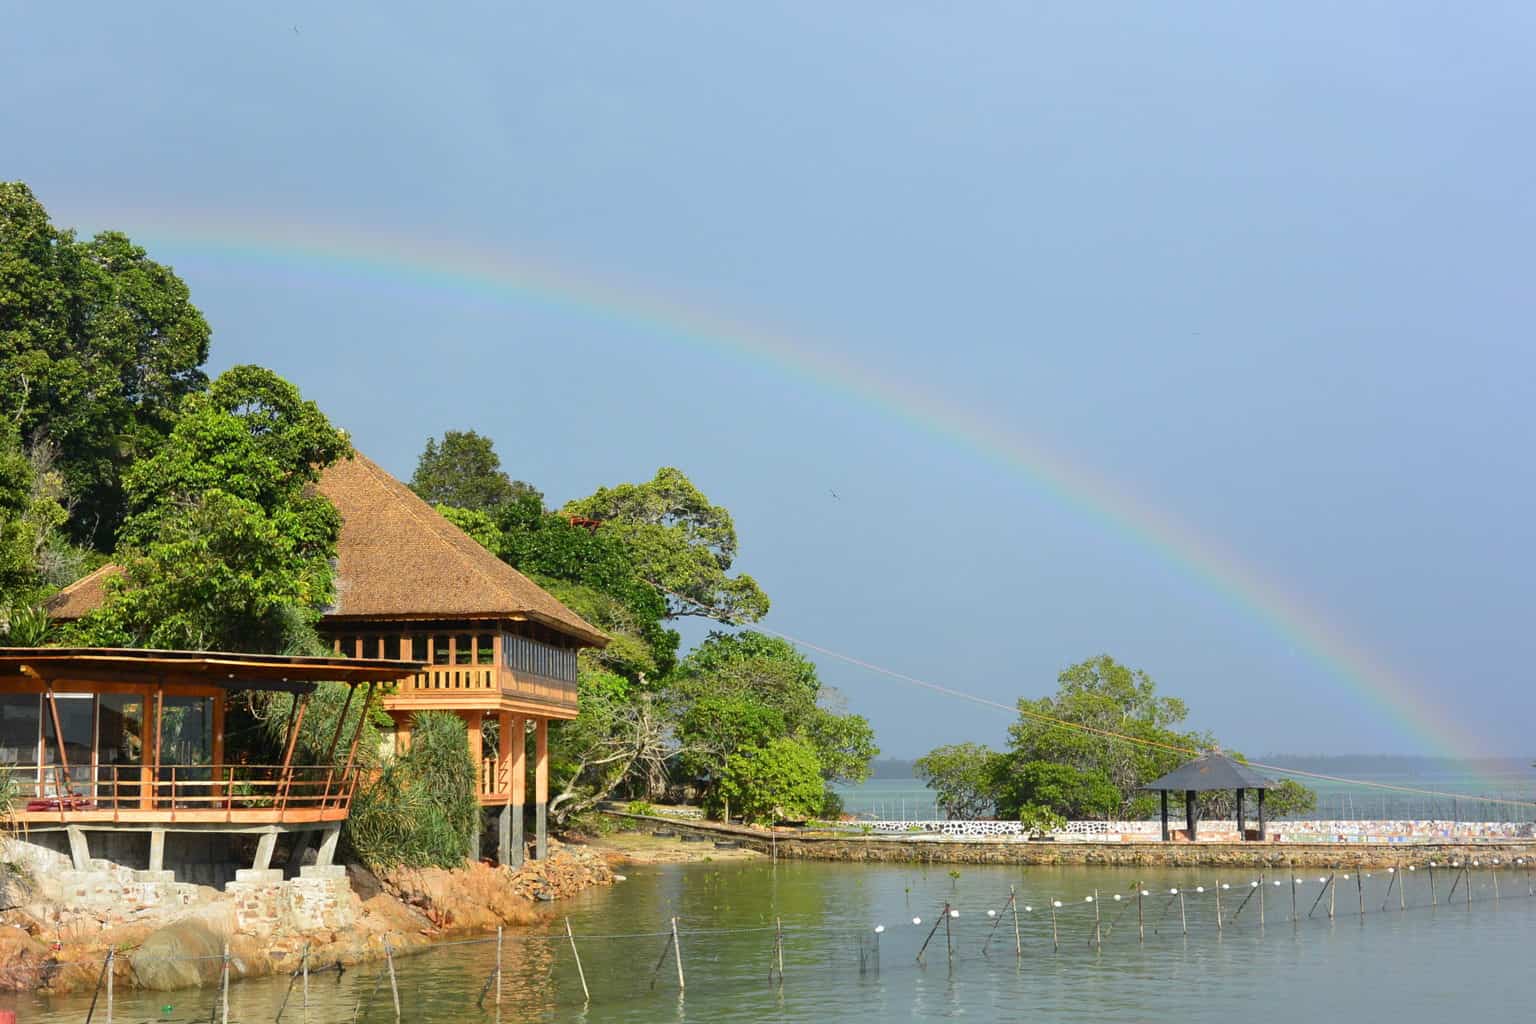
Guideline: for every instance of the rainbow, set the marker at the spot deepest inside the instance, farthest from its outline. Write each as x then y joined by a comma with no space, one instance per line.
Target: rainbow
453,266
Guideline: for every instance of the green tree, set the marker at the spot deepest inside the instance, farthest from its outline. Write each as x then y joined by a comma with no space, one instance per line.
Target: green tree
422,811
680,543
99,345
778,781
225,546
738,690
963,777
34,555
1080,793
464,471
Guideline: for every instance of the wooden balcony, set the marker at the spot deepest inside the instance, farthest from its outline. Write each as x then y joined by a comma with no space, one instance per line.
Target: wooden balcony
487,687
201,794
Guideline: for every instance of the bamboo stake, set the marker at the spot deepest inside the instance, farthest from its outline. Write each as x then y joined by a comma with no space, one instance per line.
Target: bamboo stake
97,991
1141,918
1360,891
1262,882
949,945
1290,870
778,945
677,954
931,933
111,965
1468,872
1183,921
225,1017
1055,935
1013,901
580,972
1391,881
1433,901
1218,905
499,943
394,987
1493,874
1402,888
1332,891
1320,894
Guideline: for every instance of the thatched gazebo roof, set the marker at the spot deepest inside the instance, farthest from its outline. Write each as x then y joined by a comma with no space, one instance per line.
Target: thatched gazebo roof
1208,772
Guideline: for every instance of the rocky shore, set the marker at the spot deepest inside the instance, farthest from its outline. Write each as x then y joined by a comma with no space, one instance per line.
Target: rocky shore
53,943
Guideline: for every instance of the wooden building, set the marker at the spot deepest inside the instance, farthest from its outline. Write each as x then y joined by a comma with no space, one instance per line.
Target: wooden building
103,744
491,645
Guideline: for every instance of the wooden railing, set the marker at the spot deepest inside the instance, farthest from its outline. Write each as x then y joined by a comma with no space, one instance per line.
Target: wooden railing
192,793
495,781
442,680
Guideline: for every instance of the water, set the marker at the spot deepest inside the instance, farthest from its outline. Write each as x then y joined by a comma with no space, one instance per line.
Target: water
1425,965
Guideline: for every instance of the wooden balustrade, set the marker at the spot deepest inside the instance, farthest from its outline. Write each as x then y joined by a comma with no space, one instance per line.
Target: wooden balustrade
190,793
444,680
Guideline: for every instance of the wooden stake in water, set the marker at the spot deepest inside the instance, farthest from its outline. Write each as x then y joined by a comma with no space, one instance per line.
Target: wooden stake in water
96,993
304,966
1055,935
1183,921
778,945
1290,871
931,933
1332,890
580,973
1360,891
394,987
1493,875
1402,888
1098,934
1433,900
498,960
111,964
1262,882
1141,919
949,943
1218,905
225,1016
677,954
1013,901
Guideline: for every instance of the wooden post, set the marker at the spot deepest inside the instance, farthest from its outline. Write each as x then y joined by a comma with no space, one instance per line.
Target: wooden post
1098,933
677,954
474,726
931,933
1218,901
1164,795
1141,920
1191,813
1493,876
1262,835
519,787
348,779
1013,901
1402,888
61,768
218,746
1332,889
541,788
394,988
1183,921
778,945
111,968
949,944
1055,935
1263,881
1242,833
1290,869
295,723
225,984
1360,891
1433,899
582,974
304,966
498,963
96,992
1467,872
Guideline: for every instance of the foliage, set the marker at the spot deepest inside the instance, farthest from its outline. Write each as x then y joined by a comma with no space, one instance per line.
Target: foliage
34,554
618,741
1038,820
641,807
680,543
224,544
1286,799
778,781
962,776
464,471
25,625
422,811
741,690
1078,793
99,345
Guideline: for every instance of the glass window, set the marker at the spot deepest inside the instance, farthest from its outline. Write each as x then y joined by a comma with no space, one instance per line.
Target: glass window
391,648
485,650
418,648
119,746
20,717
465,651
440,650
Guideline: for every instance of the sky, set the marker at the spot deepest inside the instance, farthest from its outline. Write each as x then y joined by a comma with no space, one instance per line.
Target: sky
1011,334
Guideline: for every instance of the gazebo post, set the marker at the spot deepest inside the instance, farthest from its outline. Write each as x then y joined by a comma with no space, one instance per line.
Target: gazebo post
1261,816
1189,813
1164,794
1241,832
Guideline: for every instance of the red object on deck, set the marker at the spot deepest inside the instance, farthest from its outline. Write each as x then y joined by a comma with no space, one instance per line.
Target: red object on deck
7,1017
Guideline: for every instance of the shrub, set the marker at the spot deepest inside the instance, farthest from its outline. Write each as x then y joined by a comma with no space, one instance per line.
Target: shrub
423,810
639,807
1039,820
780,780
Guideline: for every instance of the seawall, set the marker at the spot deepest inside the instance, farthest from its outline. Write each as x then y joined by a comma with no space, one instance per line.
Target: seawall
1012,850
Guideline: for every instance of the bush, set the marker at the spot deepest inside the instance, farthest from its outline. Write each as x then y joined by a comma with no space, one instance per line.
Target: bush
639,807
780,780
423,810
832,805
1039,820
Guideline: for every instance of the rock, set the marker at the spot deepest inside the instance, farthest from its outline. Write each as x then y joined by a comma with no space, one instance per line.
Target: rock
160,963
22,960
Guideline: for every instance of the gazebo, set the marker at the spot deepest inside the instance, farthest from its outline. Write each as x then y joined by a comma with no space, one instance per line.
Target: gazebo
1209,772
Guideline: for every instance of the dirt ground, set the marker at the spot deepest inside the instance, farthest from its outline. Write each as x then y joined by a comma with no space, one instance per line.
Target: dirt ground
644,848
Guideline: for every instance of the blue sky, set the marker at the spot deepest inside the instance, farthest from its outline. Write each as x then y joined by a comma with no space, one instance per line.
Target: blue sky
1269,270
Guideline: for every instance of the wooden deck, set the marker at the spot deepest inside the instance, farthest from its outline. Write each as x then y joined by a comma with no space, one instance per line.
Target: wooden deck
189,794
484,687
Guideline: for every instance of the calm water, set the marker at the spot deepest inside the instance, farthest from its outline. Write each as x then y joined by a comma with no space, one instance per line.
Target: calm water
1422,965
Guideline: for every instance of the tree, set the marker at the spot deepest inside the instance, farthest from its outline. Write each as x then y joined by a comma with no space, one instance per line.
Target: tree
1084,794
225,547
34,556
962,777
619,741
680,543
99,345
738,690
464,471
778,781
422,811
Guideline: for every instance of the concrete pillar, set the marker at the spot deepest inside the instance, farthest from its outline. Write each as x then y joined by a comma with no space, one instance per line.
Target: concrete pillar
264,848
79,850
541,788
504,835
326,855
519,789
157,849
302,841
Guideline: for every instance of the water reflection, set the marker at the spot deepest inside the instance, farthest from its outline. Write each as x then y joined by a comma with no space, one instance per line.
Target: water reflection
1416,965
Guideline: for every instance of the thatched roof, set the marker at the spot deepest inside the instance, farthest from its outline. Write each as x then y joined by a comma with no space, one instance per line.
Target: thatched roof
294,674
1211,771
398,559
